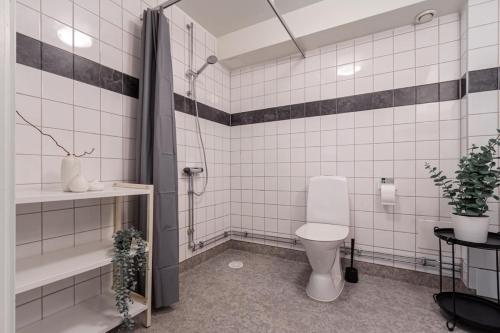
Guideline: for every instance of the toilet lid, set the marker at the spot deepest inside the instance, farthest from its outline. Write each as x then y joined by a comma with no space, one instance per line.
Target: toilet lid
322,232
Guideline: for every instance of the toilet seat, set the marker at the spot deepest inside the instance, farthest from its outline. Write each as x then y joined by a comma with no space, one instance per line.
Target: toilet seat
322,232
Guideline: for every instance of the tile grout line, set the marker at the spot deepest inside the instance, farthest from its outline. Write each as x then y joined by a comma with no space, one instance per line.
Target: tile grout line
73,278
414,121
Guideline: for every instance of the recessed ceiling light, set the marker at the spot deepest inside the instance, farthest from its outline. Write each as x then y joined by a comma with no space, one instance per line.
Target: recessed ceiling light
425,16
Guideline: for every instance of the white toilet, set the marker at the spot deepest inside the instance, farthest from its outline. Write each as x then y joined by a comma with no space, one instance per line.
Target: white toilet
326,228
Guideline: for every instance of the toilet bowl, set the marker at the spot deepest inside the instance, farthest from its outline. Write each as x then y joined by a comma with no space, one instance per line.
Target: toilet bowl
326,228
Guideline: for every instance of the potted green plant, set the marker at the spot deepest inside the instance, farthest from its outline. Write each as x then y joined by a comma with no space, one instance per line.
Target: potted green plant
475,182
129,263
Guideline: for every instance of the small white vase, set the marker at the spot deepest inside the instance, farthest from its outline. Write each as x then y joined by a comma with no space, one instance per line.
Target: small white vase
79,184
471,229
70,168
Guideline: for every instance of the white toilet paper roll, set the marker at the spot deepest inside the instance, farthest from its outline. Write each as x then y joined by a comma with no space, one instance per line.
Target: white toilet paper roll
388,194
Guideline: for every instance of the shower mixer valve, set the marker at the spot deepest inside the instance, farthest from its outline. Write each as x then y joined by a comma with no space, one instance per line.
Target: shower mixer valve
190,171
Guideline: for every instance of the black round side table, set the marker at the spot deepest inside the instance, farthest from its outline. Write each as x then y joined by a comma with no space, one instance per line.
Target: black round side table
459,307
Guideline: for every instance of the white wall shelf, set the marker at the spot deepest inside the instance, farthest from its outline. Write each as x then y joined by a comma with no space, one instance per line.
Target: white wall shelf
37,271
32,196
97,314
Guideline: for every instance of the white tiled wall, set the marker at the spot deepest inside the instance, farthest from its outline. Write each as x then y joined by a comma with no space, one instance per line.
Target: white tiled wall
482,30
82,116
482,52
271,162
482,119
213,84
213,208
402,57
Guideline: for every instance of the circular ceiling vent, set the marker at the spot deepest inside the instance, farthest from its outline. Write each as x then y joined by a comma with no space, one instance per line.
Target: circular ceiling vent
425,16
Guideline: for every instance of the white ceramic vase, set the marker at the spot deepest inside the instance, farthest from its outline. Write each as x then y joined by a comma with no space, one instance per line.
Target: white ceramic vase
471,229
79,184
70,168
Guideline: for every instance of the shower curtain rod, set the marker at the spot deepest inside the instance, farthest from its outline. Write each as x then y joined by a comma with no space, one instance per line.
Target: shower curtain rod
169,3
166,4
283,23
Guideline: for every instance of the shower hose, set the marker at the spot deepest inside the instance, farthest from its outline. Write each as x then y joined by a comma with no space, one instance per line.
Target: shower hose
200,138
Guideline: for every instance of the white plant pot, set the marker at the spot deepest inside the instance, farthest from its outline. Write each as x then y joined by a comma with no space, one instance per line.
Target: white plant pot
471,229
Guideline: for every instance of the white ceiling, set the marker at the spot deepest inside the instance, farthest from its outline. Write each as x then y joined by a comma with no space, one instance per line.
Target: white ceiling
248,32
221,17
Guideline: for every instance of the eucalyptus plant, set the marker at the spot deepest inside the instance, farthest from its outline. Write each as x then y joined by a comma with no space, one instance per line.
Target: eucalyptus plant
475,182
129,263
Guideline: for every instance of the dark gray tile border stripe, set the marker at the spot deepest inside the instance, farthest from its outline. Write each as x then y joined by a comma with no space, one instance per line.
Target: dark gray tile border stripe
111,79
313,109
28,51
463,86
40,55
429,93
449,90
346,104
86,71
282,113
405,96
297,111
57,61
130,86
483,80
328,106
36,54
383,99
186,105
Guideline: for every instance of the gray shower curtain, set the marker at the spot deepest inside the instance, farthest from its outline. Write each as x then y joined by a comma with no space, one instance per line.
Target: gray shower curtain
156,158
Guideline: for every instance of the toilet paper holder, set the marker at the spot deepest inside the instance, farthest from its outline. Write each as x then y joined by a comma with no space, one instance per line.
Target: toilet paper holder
384,180
387,181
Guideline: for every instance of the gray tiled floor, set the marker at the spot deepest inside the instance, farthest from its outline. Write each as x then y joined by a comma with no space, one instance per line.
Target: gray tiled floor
267,295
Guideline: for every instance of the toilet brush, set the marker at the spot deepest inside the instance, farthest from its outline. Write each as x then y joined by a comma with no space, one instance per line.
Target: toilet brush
351,273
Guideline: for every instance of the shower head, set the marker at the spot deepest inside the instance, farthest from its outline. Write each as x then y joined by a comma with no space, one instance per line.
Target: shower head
210,61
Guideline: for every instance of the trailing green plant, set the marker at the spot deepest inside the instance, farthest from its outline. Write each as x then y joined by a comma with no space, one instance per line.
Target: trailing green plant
475,180
129,263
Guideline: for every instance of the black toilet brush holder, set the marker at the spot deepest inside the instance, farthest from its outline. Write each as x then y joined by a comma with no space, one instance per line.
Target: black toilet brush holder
351,273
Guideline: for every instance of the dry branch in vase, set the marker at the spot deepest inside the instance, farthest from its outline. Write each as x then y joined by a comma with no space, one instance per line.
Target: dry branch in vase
71,175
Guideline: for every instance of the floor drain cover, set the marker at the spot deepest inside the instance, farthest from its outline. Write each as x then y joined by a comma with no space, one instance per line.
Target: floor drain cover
236,264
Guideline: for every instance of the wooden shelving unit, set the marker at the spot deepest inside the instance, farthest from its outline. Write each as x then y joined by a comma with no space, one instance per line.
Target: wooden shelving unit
97,314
